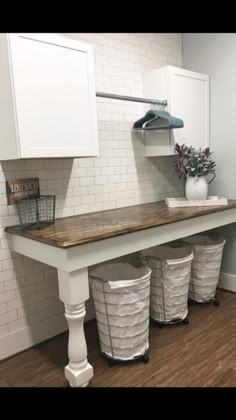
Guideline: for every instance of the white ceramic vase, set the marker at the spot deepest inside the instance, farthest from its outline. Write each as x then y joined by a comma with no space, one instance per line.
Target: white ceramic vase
196,188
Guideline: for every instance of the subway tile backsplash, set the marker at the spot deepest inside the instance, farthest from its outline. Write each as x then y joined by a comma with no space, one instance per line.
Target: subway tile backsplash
120,176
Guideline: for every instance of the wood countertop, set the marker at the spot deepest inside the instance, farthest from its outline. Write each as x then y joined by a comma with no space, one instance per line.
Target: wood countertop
86,228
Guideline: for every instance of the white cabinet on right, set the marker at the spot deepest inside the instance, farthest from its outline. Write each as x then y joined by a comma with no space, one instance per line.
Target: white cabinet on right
187,95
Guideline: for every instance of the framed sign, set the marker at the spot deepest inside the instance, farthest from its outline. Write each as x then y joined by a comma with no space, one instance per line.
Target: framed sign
19,189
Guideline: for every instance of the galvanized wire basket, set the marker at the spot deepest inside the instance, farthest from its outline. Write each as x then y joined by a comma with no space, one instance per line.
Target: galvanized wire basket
36,213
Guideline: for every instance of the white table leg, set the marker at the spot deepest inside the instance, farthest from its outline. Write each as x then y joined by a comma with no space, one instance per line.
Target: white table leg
74,291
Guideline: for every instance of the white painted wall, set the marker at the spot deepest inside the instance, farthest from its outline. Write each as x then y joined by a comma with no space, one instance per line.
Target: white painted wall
30,310
215,54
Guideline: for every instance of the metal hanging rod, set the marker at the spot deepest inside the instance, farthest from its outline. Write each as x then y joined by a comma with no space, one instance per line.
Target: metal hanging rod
130,98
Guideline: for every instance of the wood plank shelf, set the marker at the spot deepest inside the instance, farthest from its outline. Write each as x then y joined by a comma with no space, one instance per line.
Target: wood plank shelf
77,230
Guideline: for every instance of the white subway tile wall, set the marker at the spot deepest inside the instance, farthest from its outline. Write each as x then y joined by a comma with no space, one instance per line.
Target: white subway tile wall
120,176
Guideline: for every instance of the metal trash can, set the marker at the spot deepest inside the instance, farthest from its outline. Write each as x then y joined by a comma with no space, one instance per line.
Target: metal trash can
121,295
207,257
171,269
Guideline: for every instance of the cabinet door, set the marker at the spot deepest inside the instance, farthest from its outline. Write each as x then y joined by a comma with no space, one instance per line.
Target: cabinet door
54,91
189,100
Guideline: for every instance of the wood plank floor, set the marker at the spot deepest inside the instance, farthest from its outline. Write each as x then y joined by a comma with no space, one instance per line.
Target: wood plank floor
201,354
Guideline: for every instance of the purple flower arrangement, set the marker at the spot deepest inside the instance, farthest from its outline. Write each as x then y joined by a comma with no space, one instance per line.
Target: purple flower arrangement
190,161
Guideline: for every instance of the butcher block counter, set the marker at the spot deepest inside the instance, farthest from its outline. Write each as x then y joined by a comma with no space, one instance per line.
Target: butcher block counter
76,230
74,243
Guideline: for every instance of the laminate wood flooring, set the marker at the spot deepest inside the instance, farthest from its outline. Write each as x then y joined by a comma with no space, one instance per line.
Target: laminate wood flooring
201,354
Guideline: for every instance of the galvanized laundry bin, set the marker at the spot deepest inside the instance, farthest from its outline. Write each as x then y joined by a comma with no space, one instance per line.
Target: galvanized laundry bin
207,257
121,295
171,269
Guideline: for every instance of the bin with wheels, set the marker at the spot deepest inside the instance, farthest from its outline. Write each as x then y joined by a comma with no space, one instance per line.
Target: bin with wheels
171,268
207,257
121,295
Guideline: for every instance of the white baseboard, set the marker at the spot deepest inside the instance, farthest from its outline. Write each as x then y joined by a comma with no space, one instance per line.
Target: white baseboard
30,336
228,282
34,334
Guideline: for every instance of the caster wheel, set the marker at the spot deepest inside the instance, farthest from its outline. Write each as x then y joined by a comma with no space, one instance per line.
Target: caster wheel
145,358
216,302
160,325
186,321
111,362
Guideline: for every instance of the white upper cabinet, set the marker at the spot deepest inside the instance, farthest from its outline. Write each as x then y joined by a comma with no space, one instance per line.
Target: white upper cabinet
187,95
47,97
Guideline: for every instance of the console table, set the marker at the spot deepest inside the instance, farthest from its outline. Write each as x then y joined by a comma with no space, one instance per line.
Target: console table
74,243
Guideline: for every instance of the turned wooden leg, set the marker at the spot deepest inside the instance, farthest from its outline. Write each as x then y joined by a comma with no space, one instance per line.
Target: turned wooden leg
74,291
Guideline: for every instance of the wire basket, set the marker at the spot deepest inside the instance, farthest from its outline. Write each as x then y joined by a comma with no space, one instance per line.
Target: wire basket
36,213
171,269
121,295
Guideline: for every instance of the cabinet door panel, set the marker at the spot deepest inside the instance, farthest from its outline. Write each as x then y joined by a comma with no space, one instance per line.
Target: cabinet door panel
53,95
189,101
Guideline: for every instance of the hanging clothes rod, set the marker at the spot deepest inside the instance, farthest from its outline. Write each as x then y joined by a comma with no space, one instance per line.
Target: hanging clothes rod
130,98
